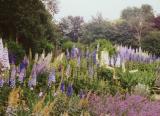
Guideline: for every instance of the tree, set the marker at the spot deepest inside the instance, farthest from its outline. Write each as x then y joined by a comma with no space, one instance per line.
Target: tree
122,34
156,22
71,26
151,42
26,22
51,6
95,29
118,32
139,19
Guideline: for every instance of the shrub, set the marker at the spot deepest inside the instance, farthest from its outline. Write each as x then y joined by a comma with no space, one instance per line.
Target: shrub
44,45
105,74
16,51
151,42
104,45
67,45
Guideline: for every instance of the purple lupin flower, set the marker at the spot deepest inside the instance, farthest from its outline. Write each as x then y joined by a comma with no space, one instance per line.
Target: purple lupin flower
12,80
12,83
87,54
23,64
62,87
67,54
81,94
74,52
21,75
79,57
52,77
33,79
70,90
1,81
90,71
94,56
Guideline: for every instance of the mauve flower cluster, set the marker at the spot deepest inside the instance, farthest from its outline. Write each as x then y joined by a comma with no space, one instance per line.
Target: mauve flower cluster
130,54
123,105
69,89
41,64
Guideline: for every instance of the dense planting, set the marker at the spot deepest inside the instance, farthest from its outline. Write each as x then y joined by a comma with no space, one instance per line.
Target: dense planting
101,80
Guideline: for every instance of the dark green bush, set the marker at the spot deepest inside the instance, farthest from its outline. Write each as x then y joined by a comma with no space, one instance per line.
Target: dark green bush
151,44
67,45
105,74
16,51
104,45
44,45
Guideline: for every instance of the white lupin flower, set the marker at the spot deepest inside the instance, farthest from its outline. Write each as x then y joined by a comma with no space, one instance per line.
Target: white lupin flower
5,61
104,58
112,61
118,61
36,57
1,50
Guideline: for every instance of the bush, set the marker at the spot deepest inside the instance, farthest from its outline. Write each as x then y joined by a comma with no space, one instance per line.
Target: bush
16,51
67,45
105,74
104,45
44,45
151,42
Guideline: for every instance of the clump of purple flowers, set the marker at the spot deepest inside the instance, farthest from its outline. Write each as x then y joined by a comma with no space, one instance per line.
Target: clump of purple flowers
52,77
119,105
70,90
62,87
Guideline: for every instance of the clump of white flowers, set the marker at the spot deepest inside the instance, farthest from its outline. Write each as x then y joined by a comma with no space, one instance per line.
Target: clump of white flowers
4,63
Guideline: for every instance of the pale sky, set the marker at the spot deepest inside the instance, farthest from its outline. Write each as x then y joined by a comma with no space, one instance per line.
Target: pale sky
110,9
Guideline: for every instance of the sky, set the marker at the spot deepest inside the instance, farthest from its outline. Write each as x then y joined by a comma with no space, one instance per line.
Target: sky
110,9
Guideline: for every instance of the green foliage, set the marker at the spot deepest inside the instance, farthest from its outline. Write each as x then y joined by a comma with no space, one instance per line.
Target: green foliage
129,80
151,42
105,74
44,45
28,23
104,45
67,45
16,50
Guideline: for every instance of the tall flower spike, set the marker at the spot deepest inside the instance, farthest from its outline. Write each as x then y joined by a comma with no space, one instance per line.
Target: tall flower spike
78,61
67,54
68,70
1,81
12,80
74,52
62,87
1,50
94,57
52,77
5,61
87,53
33,79
70,90
90,72
22,74
22,66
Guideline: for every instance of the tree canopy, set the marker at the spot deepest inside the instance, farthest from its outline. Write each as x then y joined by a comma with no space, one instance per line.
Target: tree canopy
27,22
